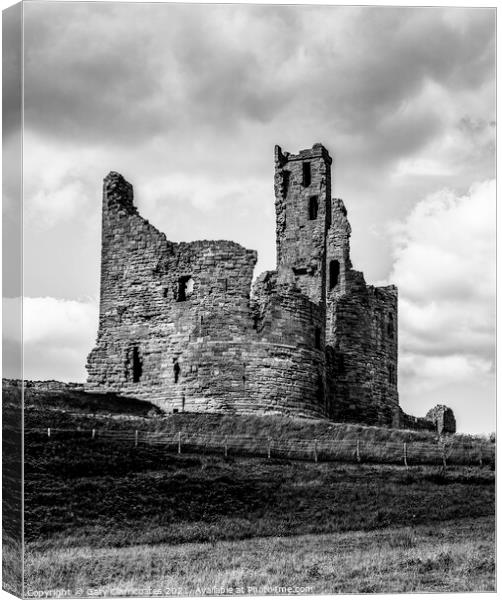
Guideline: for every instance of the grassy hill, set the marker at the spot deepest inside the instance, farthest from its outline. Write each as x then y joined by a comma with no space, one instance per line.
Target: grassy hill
53,404
113,516
64,408
105,513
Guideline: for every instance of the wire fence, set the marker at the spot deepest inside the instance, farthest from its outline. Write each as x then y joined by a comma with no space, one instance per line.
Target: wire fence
445,452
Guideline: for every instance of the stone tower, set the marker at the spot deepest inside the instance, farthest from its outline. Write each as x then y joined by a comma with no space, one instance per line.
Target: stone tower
303,214
183,326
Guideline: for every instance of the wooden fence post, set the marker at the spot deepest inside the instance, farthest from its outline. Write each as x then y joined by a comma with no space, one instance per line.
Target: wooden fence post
475,454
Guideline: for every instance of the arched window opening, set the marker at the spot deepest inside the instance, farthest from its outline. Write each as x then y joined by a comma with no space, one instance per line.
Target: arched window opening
313,208
334,272
307,176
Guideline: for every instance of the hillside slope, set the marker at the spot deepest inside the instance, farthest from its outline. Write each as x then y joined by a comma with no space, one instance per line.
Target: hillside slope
88,497
54,404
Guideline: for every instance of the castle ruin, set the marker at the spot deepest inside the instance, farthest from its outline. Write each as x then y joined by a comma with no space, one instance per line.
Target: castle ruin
182,326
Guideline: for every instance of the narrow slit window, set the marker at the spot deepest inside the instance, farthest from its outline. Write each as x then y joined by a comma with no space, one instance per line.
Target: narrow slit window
137,365
328,212
317,338
334,273
176,371
390,326
307,176
313,208
340,364
285,183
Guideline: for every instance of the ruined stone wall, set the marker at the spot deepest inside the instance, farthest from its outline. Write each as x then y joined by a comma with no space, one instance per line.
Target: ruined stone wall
361,336
439,419
177,326
181,327
286,369
168,311
338,263
411,422
362,355
442,418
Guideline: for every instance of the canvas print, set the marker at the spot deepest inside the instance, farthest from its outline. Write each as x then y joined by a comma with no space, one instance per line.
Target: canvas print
249,299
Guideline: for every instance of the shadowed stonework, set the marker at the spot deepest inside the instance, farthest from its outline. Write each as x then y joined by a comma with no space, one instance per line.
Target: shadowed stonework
182,326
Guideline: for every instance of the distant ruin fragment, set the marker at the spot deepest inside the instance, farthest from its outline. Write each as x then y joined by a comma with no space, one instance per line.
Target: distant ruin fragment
443,419
181,324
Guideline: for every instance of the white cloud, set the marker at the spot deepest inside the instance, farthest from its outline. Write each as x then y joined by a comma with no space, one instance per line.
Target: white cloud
204,193
60,203
58,334
57,182
445,270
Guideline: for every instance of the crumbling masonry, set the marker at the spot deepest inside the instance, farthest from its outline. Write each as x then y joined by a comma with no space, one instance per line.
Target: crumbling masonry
181,325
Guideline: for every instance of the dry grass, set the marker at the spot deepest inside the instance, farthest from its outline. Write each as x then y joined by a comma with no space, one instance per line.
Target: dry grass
456,556
12,562
127,520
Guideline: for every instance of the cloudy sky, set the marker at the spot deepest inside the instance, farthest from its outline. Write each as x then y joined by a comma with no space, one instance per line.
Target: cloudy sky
187,102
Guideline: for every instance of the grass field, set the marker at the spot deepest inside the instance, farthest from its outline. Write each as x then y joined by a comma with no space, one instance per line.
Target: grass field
453,556
206,521
106,515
